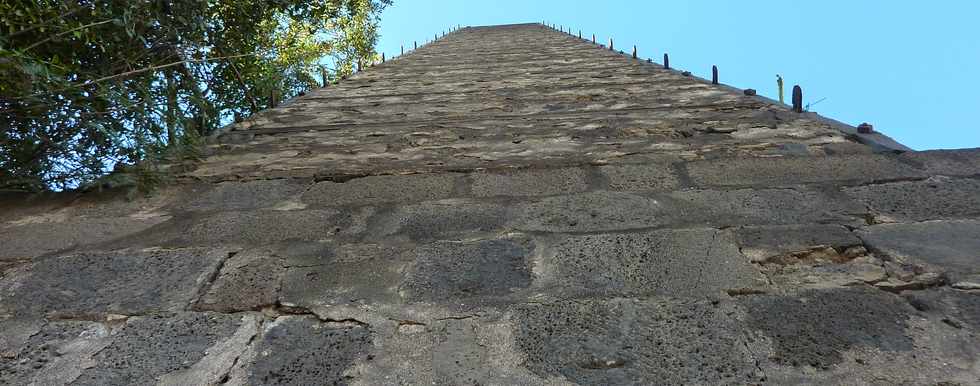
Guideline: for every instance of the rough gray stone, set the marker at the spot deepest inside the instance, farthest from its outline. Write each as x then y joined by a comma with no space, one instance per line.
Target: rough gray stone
324,274
534,182
786,171
261,194
451,271
54,354
249,280
122,282
445,219
814,328
630,341
761,242
304,351
964,162
597,211
382,189
953,246
932,199
765,207
268,226
677,263
151,347
640,178
32,239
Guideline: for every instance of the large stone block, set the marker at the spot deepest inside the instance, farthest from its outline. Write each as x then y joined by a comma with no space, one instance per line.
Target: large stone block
677,263
234,195
249,280
658,177
455,271
964,162
533,182
25,240
786,171
952,246
123,282
723,208
593,212
762,242
631,341
329,274
932,199
382,189
445,219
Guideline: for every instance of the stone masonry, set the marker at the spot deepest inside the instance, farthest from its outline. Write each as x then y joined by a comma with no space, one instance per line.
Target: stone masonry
509,205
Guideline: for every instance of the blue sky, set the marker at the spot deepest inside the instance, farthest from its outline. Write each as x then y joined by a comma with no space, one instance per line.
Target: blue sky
910,68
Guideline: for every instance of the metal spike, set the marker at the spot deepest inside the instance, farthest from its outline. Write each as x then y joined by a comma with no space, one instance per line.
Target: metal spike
611,45
593,38
634,52
416,44
714,74
403,49
666,61
382,57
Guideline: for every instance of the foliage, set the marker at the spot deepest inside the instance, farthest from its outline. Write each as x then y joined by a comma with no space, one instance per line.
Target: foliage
91,85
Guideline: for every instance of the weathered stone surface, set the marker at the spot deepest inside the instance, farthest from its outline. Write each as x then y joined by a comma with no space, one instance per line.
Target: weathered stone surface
766,206
248,280
677,263
153,348
249,195
266,226
535,182
304,351
55,354
952,246
382,189
451,271
965,162
599,211
759,243
444,219
326,275
786,171
630,341
32,239
932,199
641,178
121,282
815,328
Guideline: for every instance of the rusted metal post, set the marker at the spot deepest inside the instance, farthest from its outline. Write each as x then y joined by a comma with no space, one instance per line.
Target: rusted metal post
714,74
797,99
666,61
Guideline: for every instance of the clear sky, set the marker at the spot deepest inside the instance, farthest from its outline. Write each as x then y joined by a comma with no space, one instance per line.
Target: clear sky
910,68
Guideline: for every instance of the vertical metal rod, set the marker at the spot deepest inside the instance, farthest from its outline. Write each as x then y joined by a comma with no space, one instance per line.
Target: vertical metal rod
634,52
403,49
323,75
611,45
579,34
416,44
714,74
593,38
779,84
382,57
666,61
797,99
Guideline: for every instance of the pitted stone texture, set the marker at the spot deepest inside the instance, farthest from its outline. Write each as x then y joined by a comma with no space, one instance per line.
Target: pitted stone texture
36,239
676,263
786,171
597,211
56,354
965,162
122,282
382,189
304,351
932,199
249,280
759,243
641,178
960,309
327,274
269,226
953,246
261,194
631,341
814,328
533,182
766,207
445,219
148,348
451,271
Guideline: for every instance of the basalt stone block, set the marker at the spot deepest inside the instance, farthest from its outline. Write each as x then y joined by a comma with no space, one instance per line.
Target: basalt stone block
382,189
155,348
765,207
445,219
234,195
953,246
785,171
121,282
815,327
451,271
640,178
932,199
269,226
593,212
631,341
761,242
328,274
676,263
304,351
534,182
54,354
248,280
32,239
963,162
